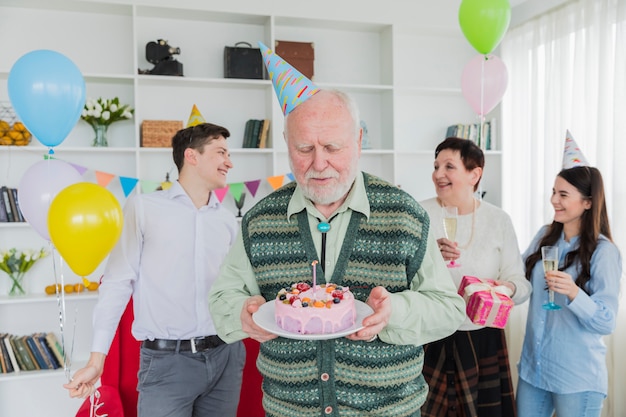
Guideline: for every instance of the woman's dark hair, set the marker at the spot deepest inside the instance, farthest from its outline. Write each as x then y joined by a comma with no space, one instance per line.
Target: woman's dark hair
593,223
471,155
195,137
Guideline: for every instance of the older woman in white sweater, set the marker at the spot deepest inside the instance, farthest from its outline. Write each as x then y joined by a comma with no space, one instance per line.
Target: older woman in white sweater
468,373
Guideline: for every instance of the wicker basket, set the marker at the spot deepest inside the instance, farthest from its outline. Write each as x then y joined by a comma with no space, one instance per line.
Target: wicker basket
12,131
159,133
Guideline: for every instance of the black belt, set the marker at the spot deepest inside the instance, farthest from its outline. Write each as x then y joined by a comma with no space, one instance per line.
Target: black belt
197,344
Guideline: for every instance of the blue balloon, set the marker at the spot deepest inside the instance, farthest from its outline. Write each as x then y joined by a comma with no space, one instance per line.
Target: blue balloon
47,91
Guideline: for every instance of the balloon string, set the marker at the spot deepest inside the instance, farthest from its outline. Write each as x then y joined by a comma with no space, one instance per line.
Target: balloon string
61,306
482,86
92,407
73,339
481,136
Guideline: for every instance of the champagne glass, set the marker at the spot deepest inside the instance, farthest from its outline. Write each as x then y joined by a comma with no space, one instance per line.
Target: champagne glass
239,203
550,257
450,219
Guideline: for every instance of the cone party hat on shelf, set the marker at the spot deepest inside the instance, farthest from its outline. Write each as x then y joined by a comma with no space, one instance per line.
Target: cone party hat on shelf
572,155
195,118
291,86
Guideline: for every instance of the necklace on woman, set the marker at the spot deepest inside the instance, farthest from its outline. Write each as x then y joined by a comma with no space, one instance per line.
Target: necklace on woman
469,242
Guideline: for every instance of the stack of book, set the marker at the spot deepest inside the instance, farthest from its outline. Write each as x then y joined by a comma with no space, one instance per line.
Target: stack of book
255,133
9,206
486,140
30,353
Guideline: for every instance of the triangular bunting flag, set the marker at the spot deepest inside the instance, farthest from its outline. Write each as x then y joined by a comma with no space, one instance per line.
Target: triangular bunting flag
276,181
291,177
128,184
253,186
149,186
81,170
103,178
221,193
236,190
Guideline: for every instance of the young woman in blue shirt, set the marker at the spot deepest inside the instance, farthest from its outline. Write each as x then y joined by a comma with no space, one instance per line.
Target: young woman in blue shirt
563,363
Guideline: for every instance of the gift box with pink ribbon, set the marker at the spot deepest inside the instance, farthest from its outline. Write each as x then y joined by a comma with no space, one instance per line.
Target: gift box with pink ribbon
486,304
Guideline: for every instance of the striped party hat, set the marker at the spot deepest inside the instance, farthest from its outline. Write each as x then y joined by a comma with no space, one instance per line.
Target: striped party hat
290,85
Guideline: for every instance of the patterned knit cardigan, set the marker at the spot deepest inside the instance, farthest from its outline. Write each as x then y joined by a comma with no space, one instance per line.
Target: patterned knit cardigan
340,377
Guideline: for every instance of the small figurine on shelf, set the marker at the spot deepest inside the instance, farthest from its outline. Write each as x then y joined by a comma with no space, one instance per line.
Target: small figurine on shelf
102,113
239,203
165,184
365,141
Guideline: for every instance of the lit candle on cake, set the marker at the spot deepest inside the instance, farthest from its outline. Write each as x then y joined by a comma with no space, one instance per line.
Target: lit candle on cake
314,264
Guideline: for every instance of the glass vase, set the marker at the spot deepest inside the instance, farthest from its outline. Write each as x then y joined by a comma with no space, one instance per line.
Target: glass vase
101,135
17,284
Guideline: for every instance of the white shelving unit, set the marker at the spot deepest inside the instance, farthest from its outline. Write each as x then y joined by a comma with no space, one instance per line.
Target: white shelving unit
407,85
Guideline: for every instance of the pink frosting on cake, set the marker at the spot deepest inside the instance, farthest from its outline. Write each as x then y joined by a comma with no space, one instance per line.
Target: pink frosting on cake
329,310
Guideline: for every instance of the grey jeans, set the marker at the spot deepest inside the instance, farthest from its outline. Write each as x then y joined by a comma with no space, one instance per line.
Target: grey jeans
186,384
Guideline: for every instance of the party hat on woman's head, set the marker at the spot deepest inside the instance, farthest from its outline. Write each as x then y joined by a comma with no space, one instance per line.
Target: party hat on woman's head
195,118
572,155
292,88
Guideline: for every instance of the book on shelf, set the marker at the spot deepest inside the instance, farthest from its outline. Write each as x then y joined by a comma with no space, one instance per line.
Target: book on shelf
55,348
246,133
483,135
18,357
16,215
36,353
51,360
23,351
3,210
265,129
5,363
4,195
255,133
29,350
249,140
18,212
29,353
6,340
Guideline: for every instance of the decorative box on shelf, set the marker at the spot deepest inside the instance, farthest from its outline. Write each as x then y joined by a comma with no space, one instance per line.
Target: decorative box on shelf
486,304
159,133
300,55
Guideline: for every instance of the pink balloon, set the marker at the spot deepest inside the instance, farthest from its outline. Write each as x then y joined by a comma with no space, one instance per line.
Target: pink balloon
484,82
38,187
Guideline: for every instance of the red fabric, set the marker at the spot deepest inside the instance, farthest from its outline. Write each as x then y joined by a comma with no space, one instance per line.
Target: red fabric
122,364
251,395
108,403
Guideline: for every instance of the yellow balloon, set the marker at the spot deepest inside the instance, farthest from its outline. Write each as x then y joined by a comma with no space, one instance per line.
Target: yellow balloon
85,222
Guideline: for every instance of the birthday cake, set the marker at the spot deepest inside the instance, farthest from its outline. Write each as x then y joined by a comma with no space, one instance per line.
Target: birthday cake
317,309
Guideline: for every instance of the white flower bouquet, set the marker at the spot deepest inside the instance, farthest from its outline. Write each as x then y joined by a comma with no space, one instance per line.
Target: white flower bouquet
105,111
16,263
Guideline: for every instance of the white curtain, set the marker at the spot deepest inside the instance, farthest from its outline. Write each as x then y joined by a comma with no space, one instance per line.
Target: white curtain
567,70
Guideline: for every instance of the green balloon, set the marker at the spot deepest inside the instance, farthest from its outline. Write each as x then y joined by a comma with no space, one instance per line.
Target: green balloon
484,22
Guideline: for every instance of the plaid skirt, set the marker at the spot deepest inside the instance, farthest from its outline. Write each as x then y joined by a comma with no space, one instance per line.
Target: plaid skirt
468,375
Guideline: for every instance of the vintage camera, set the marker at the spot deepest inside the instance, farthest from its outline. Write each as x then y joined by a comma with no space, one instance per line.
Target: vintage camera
161,54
